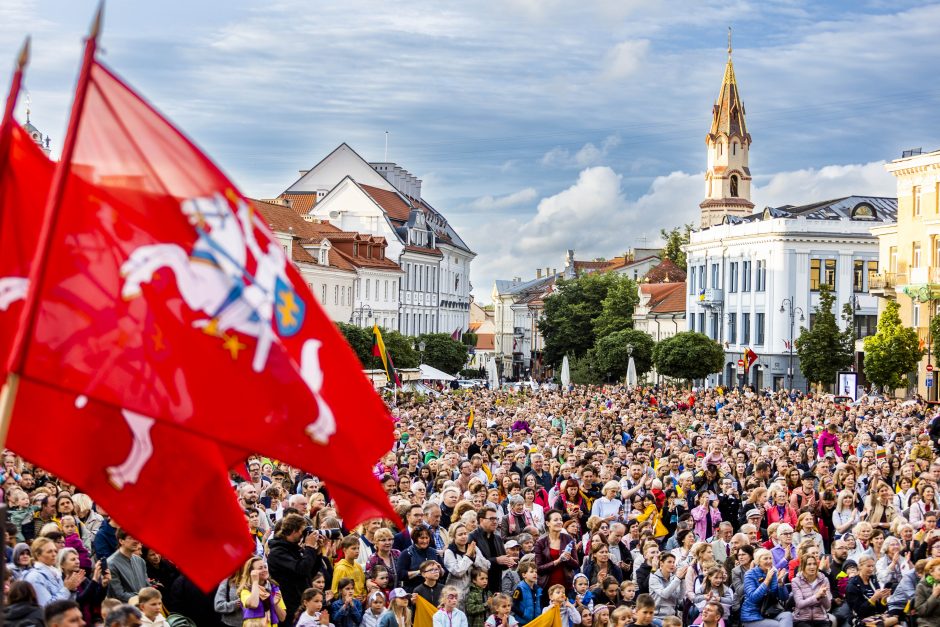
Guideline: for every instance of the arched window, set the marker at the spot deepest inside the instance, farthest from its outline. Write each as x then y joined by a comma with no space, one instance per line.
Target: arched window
734,185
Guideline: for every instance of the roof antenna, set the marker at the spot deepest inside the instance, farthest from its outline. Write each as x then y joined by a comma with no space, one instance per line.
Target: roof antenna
729,42
386,146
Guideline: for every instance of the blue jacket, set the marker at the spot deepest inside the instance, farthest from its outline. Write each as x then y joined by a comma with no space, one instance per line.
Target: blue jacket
343,616
526,602
755,591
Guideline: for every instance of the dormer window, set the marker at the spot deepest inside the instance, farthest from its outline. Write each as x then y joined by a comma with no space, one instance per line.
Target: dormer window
863,212
734,185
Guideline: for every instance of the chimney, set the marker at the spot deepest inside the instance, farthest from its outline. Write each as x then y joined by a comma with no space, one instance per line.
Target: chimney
538,273
285,201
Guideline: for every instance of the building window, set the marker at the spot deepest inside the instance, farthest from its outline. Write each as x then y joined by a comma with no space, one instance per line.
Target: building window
714,283
714,329
872,270
323,294
822,272
368,289
761,275
746,276
858,275
701,277
386,290
733,277
865,325
734,185
691,281
915,255
759,329
701,322
336,294
746,329
915,315
916,193
893,260
732,328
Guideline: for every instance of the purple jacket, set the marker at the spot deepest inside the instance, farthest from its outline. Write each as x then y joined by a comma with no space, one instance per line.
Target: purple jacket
84,557
699,515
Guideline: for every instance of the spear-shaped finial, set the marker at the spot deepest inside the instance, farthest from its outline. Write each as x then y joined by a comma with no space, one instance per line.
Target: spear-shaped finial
729,41
96,23
23,57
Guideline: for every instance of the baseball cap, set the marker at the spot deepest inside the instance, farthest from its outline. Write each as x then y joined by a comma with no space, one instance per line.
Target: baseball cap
753,512
397,593
511,544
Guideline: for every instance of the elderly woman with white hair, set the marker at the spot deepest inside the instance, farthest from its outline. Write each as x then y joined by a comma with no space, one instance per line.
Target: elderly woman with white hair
760,582
783,550
892,565
609,507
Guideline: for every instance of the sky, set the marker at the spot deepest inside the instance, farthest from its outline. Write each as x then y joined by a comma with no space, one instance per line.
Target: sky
536,126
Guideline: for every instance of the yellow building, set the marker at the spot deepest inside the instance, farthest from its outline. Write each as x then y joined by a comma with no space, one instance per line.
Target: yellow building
909,251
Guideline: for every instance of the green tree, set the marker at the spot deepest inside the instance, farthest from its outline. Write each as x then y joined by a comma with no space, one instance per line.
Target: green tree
470,339
401,348
674,241
570,314
442,352
617,307
688,355
826,349
584,370
892,352
935,337
398,346
612,357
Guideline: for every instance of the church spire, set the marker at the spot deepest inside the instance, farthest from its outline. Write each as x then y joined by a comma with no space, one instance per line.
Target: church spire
728,178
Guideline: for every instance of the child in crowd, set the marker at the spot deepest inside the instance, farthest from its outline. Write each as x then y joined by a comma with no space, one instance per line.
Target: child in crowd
74,541
375,607
311,612
849,570
449,615
430,589
627,593
501,606
398,613
644,612
348,568
671,621
150,604
601,615
475,603
379,580
346,611
621,616
558,600
527,597
581,594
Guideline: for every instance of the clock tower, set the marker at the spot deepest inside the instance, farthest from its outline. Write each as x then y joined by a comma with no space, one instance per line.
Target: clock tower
728,178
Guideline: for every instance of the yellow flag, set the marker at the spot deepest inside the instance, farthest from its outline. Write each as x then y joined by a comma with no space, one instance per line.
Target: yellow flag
470,422
424,613
552,618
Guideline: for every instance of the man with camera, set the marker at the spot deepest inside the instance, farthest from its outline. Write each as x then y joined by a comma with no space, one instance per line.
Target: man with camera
293,558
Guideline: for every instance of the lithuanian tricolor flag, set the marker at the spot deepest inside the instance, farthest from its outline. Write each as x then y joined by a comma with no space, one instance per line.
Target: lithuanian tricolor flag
378,349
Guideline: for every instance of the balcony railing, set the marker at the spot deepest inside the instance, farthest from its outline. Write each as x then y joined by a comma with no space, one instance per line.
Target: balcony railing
882,281
929,275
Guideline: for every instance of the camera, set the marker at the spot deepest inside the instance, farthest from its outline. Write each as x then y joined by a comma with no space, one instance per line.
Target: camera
326,534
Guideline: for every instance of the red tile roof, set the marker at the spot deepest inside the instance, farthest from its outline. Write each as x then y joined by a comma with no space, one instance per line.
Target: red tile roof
426,251
301,203
665,271
486,341
665,298
391,203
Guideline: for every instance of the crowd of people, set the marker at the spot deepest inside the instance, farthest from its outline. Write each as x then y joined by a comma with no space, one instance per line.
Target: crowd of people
615,506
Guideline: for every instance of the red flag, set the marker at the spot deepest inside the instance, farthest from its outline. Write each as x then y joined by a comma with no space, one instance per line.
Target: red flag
75,439
163,294
749,358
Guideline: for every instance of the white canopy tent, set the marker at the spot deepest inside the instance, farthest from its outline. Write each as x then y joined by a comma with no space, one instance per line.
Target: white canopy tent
429,373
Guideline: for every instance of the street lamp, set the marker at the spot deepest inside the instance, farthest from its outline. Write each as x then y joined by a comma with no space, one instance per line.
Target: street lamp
855,306
362,313
787,307
421,346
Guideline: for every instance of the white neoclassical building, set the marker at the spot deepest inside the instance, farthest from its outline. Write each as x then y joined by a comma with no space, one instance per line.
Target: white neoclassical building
753,278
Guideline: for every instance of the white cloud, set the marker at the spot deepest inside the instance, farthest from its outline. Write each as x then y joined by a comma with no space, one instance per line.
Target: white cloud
625,58
596,218
809,185
586,156
495,203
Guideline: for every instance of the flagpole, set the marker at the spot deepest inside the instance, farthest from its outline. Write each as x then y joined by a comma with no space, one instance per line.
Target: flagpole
6,133
17,356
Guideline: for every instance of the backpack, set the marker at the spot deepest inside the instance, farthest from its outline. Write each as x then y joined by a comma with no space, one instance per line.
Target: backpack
178,620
